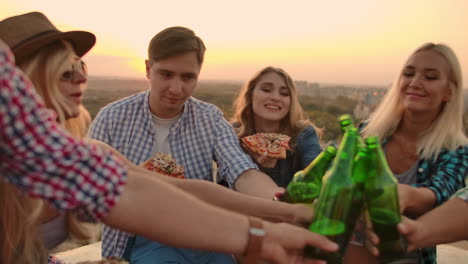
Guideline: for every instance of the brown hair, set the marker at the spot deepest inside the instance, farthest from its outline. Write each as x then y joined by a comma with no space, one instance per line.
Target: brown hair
291,125
174,41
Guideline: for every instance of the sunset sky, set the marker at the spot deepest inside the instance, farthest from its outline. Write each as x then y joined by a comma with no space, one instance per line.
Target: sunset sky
346,42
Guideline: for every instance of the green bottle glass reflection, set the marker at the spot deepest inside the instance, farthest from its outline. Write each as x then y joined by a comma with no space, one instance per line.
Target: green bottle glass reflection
360,169
306,183
383,204
346,121
335,202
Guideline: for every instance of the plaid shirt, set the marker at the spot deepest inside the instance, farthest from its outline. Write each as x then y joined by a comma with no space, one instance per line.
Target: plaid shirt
444,176
43,160
200,136
462,194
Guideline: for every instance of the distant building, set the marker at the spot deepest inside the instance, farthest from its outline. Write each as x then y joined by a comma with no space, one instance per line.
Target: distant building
367,102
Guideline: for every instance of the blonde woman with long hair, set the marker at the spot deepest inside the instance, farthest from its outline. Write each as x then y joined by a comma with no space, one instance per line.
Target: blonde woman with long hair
420,124
60,83
59,76
269,103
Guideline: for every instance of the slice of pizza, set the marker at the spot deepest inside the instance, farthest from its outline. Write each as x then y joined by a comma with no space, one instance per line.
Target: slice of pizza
274,144
164,164
255,143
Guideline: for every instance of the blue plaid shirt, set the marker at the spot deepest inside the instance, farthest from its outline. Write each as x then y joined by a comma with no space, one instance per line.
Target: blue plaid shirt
200,136
444,176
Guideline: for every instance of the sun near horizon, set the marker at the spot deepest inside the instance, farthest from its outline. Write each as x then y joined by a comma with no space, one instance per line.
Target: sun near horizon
349,42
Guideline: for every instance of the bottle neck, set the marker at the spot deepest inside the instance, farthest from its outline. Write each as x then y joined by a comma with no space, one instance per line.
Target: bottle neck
379,160
346,152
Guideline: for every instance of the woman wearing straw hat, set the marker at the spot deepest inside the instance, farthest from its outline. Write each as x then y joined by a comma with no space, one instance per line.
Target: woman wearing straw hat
43,161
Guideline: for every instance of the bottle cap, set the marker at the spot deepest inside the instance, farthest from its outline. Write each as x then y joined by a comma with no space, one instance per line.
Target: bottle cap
371,140
345,120
331,150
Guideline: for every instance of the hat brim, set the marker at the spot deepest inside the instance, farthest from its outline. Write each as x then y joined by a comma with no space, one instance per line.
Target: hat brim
82,42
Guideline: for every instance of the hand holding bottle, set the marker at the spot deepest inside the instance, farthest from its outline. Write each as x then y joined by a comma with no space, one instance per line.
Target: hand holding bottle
283,243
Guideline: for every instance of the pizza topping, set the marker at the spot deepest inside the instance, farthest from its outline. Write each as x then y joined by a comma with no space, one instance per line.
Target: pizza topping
164,164
273,144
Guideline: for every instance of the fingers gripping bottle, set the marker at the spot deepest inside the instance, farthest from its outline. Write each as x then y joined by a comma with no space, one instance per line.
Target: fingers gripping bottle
306,183
333,210
383,204
346,121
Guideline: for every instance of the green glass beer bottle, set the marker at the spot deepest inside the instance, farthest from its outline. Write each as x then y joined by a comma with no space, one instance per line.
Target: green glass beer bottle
306,183
360,170
334,205
383,204
346,121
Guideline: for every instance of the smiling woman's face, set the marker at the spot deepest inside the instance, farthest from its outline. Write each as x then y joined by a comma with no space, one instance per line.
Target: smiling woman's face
424,82
271,98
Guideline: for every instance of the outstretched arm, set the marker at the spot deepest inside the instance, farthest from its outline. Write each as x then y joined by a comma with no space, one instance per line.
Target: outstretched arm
446,223
245,204
228,199
164,210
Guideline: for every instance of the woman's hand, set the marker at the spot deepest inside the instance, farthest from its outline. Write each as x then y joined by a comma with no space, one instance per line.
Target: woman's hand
404,194
415,201
413,231
372,240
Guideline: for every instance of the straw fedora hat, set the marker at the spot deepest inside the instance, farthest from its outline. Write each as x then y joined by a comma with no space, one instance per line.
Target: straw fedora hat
25,34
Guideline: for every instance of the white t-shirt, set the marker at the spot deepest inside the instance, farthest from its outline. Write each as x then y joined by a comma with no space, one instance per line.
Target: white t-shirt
161,133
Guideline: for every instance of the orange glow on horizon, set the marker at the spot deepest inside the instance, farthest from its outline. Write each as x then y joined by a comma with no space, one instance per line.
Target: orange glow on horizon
360,41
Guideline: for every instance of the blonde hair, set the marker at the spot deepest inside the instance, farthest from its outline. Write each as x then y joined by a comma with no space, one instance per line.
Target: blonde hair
78,126
20,215
45,69
446,131
292,124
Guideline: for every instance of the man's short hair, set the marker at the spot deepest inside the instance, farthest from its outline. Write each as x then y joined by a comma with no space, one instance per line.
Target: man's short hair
174,41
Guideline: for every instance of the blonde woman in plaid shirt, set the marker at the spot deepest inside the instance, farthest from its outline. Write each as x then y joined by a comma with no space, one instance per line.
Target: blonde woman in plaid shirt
420,124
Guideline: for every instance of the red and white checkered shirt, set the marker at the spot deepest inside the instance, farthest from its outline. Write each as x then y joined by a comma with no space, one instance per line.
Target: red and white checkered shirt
43,160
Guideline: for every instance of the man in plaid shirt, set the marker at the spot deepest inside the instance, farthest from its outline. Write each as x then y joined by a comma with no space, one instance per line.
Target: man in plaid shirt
444,224
166,119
